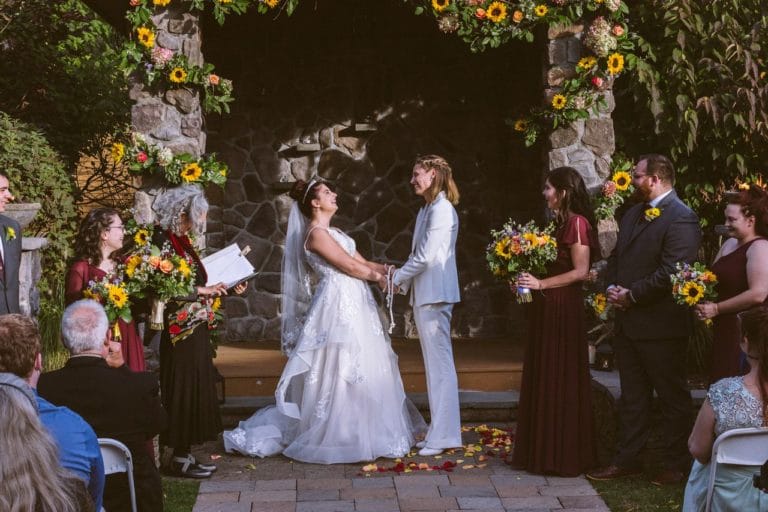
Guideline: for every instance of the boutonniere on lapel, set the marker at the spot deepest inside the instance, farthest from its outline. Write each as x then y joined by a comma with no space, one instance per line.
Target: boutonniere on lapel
10,233
651,214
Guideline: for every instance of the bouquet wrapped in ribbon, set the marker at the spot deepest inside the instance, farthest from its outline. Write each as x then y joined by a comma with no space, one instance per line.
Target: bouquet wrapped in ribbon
519,248
113,294
693,283
163,273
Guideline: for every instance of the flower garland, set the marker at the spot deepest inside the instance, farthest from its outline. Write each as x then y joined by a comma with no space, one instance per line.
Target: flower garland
490,23
480,23
145,159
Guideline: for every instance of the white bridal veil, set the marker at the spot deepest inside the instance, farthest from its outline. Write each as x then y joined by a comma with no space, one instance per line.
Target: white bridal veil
295,281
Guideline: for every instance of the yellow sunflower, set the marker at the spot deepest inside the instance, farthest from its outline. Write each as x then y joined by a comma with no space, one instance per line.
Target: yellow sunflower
587,62
141,237
693,292
225,1
496,12
622,179
160,3
559,101
600,303
117,295
118,152
502,248
191,172
531,239
615,63
131,264
541,10
440,5
521,125
146,36
272,3
216,305
183,268
178,75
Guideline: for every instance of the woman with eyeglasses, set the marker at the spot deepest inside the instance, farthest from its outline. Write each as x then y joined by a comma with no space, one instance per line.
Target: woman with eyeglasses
97,254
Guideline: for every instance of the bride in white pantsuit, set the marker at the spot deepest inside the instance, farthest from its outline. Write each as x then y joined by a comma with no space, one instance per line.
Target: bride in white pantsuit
430,274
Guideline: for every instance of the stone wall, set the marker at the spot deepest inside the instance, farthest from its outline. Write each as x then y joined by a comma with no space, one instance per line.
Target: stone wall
306,85
586,145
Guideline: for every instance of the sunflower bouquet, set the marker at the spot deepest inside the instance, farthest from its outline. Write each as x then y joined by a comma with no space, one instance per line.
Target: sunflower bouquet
615,191
598,305
693,283
114,295
159,272
517,248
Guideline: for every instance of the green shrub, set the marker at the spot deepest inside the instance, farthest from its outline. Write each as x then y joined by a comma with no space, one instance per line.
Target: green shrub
37,174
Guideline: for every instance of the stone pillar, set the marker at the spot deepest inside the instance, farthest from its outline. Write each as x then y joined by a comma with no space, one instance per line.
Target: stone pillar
586,145
30,273
170,118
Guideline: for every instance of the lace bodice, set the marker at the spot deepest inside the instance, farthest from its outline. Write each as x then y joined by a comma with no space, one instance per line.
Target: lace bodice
319,264
734,405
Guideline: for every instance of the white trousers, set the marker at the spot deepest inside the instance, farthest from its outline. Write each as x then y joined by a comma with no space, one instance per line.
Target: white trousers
434,324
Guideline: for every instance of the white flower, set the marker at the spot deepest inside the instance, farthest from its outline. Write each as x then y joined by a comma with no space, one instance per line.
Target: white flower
599,38
164,156
613,5
138,138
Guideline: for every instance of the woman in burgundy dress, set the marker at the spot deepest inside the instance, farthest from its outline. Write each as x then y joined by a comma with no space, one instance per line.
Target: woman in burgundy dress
555,433
741,267
99,240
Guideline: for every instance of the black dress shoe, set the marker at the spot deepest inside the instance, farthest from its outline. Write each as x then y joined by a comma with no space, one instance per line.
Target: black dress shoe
186,468
612,472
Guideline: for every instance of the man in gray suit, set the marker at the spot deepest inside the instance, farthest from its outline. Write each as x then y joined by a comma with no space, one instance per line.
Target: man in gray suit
10,253
651,330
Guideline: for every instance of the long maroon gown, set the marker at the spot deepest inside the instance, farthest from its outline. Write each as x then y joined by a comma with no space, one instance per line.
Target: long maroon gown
731,272
555,432
79,275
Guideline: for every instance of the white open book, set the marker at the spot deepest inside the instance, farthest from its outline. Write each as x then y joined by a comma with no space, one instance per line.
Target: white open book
228,266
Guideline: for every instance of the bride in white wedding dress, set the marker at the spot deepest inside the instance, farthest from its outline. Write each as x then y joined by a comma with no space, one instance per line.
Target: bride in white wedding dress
340,397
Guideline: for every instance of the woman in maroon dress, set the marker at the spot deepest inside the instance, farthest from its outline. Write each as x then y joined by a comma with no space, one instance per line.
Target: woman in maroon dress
99,240
555,433
741,267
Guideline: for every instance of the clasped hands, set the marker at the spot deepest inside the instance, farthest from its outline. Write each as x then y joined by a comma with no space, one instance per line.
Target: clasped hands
619,297
382,282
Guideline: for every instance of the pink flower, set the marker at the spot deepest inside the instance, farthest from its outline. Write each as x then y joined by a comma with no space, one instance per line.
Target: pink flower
597,81
609,188
480,13
618,30
135,3
213,79
161,56
475,2
141,157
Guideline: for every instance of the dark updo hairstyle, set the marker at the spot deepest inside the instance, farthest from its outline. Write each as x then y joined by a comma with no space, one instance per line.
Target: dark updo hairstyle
754,203
303,193
89,235
576,198
754,327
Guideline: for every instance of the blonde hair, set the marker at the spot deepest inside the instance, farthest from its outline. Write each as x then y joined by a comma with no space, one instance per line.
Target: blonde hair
443,177
31,477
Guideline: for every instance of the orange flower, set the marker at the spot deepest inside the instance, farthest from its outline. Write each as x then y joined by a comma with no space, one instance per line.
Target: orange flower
480,13
166,266
154,261
518,16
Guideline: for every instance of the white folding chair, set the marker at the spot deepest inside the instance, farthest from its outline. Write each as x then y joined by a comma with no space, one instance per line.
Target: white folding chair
117,459
740,446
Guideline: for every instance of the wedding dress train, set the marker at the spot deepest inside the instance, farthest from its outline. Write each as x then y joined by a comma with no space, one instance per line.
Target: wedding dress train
340,398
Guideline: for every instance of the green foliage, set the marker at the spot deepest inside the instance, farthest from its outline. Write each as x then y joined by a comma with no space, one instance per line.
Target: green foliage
49,322
179,495
702,95
37,174
58,71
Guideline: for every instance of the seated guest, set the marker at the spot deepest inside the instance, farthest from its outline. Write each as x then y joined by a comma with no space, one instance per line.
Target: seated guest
117,402
77,443
31,478
733,402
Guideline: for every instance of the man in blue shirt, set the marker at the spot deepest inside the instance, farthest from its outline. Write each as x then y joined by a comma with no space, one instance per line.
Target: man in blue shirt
79,451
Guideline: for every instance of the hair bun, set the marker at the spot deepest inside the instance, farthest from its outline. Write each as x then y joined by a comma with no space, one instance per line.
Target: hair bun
298,189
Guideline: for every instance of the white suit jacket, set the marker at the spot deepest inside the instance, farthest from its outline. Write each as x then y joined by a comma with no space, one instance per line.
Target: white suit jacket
430,271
